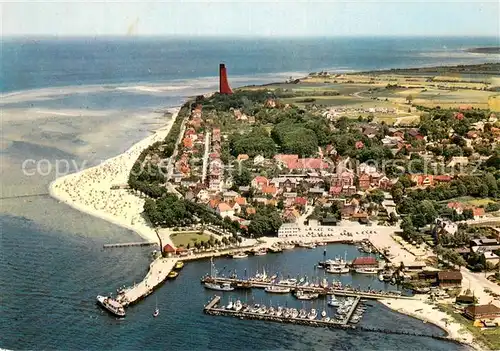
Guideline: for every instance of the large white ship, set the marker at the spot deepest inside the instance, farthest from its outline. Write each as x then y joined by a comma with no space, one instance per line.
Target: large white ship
111,305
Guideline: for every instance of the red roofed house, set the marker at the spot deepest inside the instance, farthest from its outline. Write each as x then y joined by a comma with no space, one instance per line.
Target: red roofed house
168,249
365,262
188,143
359,144
242,157
335,190
269,190
478,212
460,116
240,201
422,180
259,182
482,314
301,201
457,206
224,210
307,163
442,178
364,181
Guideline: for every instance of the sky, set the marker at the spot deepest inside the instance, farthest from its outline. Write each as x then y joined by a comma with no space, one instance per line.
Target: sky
251,18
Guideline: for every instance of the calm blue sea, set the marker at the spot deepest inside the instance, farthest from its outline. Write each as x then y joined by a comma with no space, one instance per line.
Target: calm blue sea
52,264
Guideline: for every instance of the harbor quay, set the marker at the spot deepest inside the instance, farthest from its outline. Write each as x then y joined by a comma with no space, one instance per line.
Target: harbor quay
158,272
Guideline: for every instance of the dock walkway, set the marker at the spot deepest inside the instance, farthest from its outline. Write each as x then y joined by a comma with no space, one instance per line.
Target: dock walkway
139,243
308,289
157,274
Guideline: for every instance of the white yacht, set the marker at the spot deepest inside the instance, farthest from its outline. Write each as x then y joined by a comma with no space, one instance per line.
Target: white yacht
337,270
240,255
219,287
333,302
277,289
368,270
313,314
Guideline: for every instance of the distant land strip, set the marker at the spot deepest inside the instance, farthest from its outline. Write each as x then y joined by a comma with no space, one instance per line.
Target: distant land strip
485,50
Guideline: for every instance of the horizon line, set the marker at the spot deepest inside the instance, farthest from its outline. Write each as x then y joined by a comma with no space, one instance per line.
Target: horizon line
243,36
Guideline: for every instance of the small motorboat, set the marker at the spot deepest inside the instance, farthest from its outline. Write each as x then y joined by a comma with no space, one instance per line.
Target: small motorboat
156,312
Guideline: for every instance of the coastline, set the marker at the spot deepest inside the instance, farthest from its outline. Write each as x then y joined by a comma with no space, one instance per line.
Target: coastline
424,311
89,190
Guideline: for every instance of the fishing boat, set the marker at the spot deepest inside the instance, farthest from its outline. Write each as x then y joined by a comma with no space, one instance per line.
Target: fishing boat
238,305
157,310
179,265
323,314
262,309
240,255
307,245
255,308
230,305
302,313
274,289
333,302
287,246
381,277
367,270
337,270
324,283
111,305
306,296
219,287
313,314
172,275
261,252
321,244
327,319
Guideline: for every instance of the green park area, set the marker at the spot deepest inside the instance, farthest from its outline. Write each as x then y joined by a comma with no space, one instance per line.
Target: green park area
188,238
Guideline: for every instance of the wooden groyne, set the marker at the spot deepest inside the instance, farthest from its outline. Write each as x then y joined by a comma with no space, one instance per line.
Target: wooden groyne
240,283
139,243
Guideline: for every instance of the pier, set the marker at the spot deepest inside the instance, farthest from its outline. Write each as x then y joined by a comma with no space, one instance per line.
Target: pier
157,274
240,283
139,243
212,308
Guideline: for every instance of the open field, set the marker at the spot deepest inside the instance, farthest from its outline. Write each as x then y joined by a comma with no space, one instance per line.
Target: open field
470,200
185,238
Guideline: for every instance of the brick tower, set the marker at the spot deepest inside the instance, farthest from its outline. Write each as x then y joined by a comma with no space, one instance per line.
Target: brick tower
224,87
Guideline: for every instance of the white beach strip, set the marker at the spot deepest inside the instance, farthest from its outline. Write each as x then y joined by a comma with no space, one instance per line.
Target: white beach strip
423,310
90,191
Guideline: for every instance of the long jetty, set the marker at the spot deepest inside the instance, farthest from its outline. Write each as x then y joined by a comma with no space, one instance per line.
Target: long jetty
139,243
212,308
157,274
240,283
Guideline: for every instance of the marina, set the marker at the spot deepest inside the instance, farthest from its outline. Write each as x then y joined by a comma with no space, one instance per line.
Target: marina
281,314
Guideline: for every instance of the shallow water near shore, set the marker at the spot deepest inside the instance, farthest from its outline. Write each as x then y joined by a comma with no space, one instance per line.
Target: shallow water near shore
52,264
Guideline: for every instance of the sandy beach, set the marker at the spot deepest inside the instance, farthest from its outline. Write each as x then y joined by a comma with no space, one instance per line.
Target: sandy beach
424,310
90,191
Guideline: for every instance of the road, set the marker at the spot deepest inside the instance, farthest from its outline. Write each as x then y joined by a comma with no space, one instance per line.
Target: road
171,160
205,157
